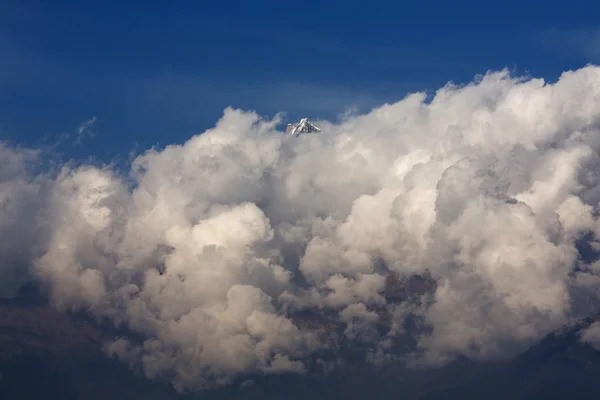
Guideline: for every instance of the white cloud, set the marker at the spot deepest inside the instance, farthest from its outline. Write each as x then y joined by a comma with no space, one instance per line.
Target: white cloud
487,187
22,230
85,128
592,335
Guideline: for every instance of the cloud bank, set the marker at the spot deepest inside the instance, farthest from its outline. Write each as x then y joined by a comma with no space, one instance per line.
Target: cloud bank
211,250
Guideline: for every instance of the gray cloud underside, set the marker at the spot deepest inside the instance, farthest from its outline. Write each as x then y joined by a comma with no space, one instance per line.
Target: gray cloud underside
208,248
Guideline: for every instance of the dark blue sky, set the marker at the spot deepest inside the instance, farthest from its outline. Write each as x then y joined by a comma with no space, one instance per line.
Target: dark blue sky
157,72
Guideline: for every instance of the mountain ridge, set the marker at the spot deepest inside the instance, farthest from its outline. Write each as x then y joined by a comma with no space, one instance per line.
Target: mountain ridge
63,353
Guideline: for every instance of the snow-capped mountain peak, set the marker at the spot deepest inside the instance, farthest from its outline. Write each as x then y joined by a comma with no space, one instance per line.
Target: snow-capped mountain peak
302,127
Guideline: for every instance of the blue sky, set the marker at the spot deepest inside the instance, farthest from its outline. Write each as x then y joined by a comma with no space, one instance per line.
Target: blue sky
157,72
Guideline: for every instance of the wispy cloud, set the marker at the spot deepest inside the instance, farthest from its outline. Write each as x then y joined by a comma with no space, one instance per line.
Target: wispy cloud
85,129
53,140
573,42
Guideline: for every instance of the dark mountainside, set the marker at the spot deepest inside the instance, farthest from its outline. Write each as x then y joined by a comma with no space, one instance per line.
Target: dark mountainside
559,367
48,354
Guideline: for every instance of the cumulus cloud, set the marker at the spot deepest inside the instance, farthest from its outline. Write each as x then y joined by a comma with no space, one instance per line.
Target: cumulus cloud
22,223
211,250
592,335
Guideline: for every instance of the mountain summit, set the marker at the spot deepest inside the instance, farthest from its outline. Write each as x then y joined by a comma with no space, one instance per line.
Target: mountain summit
302,127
